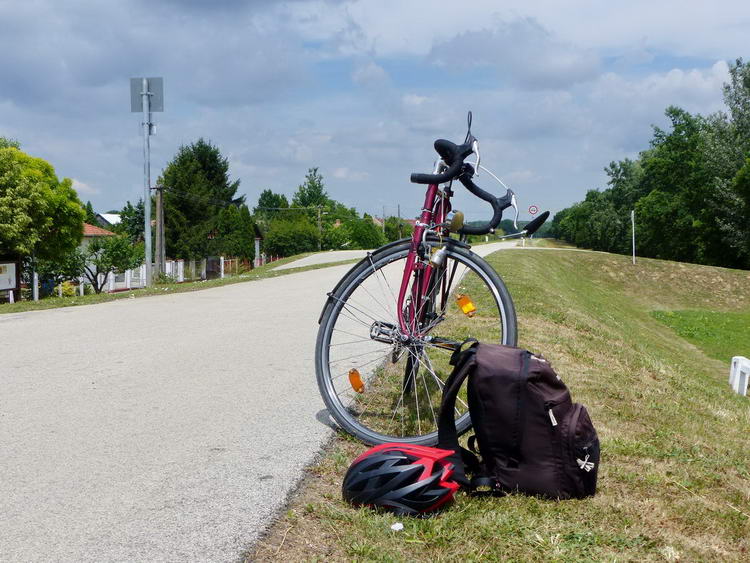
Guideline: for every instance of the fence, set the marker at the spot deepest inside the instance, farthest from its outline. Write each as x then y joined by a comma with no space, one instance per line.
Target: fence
177,271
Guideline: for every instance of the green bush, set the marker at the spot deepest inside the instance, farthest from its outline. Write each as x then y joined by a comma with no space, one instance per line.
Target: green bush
365,234
286,238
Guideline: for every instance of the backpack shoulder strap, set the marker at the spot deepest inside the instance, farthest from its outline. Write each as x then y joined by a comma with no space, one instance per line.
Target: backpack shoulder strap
447,434
519,421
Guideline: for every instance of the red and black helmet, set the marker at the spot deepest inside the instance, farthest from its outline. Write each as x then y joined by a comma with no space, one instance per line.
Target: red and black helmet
402,478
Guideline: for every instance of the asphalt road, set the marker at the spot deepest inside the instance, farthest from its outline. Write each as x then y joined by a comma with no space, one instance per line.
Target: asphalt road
159,429
324,258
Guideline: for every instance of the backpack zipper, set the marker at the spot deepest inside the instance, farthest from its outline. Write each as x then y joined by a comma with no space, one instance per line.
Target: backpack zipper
552,418
549,405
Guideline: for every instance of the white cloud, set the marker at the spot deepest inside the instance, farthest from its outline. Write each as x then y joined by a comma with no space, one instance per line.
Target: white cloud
370,74
347,174
353,87
83,188
521,51
413,99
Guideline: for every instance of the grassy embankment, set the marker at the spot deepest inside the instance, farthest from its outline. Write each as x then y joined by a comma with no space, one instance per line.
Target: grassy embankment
675,475
262,272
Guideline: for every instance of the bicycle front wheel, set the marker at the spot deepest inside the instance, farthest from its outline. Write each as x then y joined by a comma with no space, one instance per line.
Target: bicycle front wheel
382,388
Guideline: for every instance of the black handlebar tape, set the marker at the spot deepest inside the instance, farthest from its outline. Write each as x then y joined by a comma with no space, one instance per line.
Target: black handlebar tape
498,205
533,226
453,171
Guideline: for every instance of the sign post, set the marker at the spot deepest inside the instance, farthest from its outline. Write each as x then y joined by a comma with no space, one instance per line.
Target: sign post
533,210
147,95
10,278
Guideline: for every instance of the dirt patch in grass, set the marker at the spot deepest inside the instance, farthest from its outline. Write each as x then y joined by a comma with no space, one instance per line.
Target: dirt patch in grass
674,477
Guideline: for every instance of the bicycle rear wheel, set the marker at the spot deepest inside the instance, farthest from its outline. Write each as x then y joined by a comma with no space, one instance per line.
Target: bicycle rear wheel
383,389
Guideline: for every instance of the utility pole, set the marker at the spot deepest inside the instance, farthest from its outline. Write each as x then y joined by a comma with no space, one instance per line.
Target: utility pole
399,221
384,219
160,247
147,176
632,221
147,95
320,227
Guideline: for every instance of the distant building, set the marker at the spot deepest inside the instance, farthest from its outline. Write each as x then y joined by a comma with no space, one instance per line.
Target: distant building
90,232
108,220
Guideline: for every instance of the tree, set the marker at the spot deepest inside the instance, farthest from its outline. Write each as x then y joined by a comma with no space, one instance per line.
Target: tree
105,255
312,192
396,228
270,206
336,237
737,99
39,214
66,267
90,215
286,238
196,189
365,234
507,226
734,212
625,181
235,233
6,143
132,221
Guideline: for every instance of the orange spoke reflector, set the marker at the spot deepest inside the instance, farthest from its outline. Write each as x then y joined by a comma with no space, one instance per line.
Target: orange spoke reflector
466,304
356,381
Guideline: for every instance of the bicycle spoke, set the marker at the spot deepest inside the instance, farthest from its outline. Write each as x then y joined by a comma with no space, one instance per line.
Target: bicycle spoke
380,271
347,305
345,332
427,393
361,366
389,314
402,380
440,382
352,342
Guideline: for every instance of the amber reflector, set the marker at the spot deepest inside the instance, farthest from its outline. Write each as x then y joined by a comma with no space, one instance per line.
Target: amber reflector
466,304
356,381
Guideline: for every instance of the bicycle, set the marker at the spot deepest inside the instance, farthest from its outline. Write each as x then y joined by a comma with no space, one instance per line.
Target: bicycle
382,355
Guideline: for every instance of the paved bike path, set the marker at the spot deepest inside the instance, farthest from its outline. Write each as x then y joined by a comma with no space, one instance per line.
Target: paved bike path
159,429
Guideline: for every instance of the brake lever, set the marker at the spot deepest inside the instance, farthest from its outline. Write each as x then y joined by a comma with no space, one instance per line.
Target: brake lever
514,205
475,149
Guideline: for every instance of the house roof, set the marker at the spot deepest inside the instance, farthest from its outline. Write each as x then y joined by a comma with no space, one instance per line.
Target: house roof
94,231
111,218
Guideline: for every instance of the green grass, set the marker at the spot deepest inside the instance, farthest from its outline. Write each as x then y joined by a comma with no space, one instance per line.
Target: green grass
545,243
160,289
674,482
720,335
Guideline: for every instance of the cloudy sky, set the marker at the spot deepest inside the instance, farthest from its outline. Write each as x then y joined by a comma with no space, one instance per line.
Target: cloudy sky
360,88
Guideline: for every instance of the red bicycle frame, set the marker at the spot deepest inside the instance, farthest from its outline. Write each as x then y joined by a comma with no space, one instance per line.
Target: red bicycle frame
436,207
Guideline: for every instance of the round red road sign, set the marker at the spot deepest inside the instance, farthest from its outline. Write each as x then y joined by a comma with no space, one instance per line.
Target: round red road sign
533,209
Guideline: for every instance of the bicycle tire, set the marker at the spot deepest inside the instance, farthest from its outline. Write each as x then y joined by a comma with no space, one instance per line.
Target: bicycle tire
356,318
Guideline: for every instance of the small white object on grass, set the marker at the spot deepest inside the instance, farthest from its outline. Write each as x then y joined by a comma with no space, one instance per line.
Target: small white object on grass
739,374
397,527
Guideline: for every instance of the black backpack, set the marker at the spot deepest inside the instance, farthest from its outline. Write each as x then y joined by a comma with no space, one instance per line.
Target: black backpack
531,437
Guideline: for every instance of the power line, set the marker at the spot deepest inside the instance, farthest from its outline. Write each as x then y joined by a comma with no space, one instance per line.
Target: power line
202,199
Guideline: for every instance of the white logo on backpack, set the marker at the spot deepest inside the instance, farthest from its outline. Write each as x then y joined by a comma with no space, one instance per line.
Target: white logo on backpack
585,464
